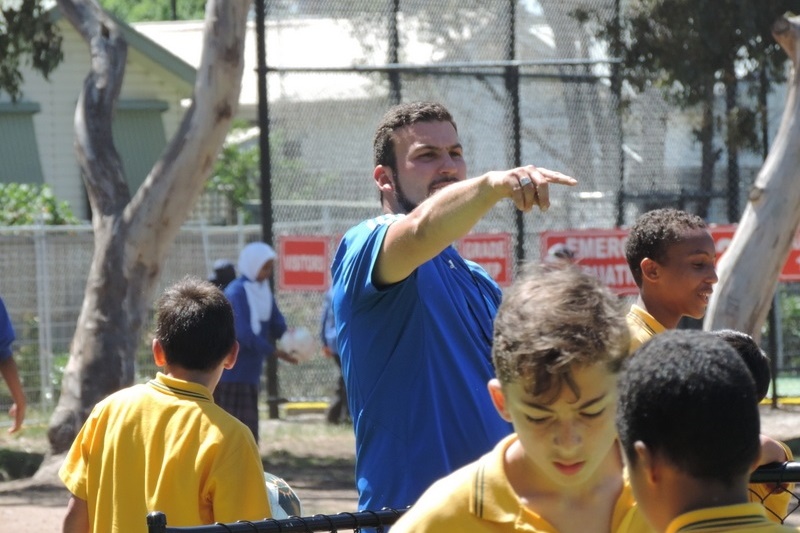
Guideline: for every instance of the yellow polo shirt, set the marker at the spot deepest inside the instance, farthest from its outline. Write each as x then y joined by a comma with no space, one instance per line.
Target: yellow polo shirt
479,498
165,446
745,517
642,326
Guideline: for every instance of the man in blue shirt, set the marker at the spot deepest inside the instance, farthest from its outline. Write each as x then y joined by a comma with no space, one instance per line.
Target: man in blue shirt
414,318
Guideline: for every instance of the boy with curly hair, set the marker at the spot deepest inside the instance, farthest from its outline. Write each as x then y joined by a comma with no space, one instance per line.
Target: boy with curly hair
688,423
560,339
671,255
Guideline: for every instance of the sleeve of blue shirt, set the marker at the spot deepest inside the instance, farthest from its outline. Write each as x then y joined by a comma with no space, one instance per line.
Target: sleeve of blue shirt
6,332
277,324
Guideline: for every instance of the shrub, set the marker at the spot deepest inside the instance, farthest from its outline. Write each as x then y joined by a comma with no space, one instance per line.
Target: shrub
23,204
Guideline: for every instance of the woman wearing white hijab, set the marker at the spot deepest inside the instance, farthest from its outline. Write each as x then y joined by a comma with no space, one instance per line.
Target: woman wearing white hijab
259,323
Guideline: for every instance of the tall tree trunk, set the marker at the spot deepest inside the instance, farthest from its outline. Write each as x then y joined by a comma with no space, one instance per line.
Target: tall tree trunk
133,235
749,270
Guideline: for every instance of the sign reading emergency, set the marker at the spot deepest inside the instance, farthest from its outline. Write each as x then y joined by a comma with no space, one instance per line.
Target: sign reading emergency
601,252
492,251
304,263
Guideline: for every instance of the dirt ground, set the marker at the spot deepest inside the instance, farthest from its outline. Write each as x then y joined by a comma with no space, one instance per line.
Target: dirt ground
315,459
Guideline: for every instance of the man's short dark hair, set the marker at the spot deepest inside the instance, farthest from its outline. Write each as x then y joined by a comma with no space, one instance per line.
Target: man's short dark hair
753,356
404,115
688,396
194,324
653,233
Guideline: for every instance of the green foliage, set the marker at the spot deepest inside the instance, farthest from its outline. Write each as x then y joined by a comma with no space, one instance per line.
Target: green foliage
147,10
790,320
22,204
27,36
684,45
237,174
694,50
687,47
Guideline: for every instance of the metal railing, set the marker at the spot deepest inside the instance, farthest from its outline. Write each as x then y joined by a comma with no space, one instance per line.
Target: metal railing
778,475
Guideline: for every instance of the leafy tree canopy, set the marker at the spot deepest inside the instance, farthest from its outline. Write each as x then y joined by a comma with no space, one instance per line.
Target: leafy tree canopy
689,48
149,10
27,37
683,45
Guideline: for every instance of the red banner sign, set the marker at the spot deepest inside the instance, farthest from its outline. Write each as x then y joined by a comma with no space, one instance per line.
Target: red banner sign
304,263
602,252
492,251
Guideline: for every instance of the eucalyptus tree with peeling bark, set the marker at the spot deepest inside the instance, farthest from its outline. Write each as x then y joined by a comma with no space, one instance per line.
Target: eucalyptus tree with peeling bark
132,234
749,269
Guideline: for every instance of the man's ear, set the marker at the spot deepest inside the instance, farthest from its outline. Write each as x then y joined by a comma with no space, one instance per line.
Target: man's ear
651,270
498,398
383,176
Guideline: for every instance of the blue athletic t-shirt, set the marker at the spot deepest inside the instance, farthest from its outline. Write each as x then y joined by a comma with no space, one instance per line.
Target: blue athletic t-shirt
416,358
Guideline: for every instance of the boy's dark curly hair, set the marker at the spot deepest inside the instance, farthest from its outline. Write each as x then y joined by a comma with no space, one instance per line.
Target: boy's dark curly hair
652,235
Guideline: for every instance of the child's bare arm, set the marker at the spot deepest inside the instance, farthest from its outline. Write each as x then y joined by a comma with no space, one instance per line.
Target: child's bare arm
772,451
77,517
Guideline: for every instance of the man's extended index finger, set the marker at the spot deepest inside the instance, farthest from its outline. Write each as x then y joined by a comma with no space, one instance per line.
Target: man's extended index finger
557,177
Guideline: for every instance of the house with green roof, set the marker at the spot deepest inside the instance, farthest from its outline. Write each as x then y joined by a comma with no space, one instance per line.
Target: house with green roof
37,131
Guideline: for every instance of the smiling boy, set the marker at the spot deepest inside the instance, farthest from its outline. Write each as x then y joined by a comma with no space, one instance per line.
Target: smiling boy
671,255
560,338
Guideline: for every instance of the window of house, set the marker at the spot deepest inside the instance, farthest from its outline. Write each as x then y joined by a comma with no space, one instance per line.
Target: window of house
139,137
19,150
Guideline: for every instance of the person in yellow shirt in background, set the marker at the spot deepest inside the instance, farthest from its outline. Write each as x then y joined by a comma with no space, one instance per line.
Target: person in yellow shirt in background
776,498
560,338
688,423
164,445
672,258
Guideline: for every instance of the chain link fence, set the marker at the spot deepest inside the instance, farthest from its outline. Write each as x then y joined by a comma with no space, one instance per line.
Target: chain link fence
527,83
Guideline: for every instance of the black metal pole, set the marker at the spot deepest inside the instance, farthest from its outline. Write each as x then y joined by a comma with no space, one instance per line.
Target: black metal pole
616,88
512,87
395,88
266,179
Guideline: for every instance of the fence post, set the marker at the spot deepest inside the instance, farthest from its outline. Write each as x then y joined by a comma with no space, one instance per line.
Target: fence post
43,310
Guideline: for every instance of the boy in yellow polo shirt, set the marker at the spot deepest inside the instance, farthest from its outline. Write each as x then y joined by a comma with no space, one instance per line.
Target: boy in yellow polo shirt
165,446
671,255
560,338
688,423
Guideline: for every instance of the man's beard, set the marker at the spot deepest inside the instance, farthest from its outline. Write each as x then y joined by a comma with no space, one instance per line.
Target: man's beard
401,198
404,201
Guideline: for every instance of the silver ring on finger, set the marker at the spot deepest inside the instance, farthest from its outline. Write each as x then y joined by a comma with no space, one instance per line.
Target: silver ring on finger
525,180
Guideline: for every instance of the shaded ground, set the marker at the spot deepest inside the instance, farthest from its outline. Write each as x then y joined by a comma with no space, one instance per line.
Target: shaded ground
314,458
